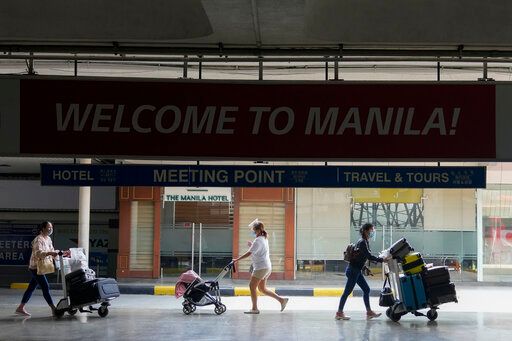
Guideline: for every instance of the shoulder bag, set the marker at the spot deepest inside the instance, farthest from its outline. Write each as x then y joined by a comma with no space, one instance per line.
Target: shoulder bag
45,266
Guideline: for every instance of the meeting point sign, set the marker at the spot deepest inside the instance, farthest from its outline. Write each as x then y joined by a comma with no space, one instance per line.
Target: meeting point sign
267,120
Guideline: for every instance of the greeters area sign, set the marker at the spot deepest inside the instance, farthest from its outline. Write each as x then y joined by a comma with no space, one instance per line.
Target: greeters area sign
263,176
257,121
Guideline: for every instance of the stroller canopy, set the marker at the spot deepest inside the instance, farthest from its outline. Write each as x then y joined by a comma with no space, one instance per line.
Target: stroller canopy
183,281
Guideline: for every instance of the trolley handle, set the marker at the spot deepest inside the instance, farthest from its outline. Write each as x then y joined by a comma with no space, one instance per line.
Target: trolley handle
232,266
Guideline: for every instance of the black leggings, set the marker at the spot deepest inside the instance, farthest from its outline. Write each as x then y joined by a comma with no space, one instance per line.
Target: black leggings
354,276
34,282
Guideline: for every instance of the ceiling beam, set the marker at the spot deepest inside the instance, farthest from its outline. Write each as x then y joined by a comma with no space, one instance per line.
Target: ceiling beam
320,51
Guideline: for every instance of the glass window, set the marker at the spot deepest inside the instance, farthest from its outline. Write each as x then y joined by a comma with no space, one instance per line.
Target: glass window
497,234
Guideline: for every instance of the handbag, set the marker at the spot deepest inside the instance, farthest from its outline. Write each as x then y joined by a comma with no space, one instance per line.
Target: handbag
386,298
45,266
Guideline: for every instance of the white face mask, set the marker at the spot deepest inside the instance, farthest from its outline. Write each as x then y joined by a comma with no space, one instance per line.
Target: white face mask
50,231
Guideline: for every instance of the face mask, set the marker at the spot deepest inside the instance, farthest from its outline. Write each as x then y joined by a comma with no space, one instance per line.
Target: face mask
372,235
253,234
50,231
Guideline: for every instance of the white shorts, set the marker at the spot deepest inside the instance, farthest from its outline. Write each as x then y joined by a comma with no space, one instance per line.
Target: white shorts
261,273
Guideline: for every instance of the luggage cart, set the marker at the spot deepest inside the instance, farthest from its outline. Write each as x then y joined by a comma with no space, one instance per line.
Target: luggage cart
397,310
65,304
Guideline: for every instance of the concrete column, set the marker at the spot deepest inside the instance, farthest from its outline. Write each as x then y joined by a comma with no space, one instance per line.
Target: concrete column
479,237
84,211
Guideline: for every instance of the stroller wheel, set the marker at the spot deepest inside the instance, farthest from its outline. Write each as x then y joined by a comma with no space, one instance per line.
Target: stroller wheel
187,309
193,307
223,307
219,309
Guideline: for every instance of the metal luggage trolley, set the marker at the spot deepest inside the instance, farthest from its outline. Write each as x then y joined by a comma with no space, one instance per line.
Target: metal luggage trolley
399,309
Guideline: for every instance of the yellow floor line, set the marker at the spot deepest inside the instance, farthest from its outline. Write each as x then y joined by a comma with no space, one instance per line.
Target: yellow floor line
19,285
328,292
164,290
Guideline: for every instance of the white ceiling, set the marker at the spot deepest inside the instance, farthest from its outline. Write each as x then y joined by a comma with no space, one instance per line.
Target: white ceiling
259,24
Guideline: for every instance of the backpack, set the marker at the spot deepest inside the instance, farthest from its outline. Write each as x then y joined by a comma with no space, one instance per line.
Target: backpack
350,253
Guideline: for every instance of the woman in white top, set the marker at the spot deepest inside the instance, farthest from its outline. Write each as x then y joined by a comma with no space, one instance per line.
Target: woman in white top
41,247
259,252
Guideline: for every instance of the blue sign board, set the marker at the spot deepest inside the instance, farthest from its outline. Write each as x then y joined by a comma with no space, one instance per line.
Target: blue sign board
15,244
263,176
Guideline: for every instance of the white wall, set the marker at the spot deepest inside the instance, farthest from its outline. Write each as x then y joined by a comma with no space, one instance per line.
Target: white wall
499,173
29,194
323,223
450,209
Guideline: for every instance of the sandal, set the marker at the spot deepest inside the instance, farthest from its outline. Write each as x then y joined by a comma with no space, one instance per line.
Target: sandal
252,312
22,312
284,303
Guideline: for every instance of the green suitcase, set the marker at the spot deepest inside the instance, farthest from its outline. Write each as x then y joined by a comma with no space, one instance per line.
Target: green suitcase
413,263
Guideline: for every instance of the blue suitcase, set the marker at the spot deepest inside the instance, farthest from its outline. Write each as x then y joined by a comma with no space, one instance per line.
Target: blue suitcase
413,292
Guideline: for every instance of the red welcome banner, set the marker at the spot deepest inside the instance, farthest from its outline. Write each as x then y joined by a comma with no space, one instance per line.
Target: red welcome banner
265,120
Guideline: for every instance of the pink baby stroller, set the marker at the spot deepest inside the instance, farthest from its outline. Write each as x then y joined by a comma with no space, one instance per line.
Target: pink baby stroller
197,292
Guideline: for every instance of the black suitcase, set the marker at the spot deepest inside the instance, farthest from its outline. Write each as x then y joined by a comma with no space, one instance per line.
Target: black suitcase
439,294
436,275
79,276
400,249
95,291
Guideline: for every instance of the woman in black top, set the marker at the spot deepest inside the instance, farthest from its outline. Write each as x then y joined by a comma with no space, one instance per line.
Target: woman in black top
354,273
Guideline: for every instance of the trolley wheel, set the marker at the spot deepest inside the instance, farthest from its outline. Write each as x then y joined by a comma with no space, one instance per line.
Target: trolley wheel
72,311
187,309
58,313
395,317
219,309
432,314
103,311
388,312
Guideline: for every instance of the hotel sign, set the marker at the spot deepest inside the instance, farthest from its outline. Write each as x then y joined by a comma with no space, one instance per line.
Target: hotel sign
204,194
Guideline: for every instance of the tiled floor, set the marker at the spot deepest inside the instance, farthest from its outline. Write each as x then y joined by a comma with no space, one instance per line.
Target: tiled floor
482,314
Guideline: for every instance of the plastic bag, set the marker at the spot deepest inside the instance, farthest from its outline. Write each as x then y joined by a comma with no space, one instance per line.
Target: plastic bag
385,254
77,259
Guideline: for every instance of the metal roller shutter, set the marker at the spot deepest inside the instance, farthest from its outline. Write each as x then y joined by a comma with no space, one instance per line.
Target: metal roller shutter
141,236
272,214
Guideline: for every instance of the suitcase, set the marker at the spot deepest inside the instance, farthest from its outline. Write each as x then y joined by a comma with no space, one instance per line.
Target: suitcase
400,248
435,276
444,293
79,276
94,291
413,263
413,293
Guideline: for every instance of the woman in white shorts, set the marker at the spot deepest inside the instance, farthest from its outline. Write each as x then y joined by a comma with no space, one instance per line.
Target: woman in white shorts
259,252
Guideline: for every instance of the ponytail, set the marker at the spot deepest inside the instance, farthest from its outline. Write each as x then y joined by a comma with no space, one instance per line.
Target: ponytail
41,226
261,228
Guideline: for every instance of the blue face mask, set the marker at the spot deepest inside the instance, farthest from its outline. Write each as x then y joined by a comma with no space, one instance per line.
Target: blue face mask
253,234
372,235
